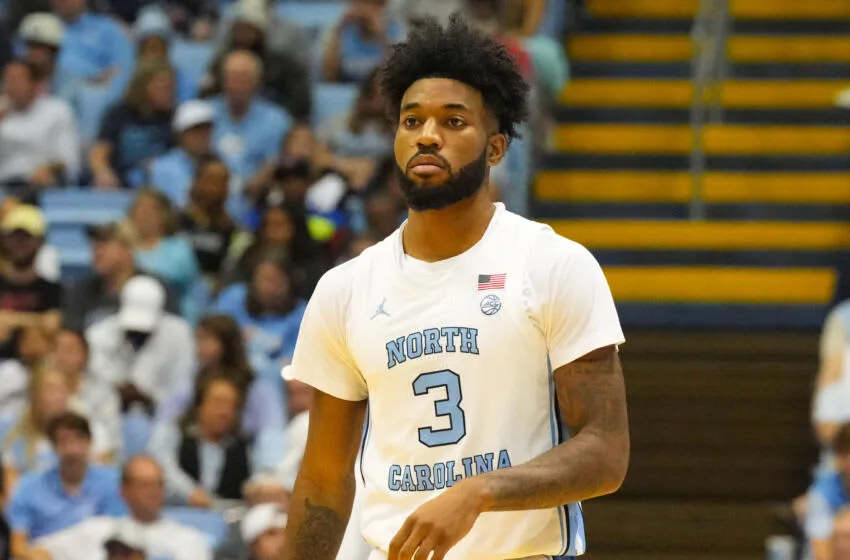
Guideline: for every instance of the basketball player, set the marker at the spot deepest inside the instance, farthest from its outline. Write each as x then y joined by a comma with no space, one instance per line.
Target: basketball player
466,331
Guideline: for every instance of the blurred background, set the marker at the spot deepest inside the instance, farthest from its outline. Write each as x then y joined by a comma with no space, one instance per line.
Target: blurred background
175,176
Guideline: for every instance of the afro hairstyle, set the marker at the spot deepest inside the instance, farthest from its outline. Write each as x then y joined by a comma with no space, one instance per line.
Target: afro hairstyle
458,52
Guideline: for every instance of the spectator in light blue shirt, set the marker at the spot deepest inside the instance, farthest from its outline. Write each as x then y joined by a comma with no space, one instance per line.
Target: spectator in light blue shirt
62,496
94,48
154,35
268,312
162,253
248,130
829,494
357,45
173,173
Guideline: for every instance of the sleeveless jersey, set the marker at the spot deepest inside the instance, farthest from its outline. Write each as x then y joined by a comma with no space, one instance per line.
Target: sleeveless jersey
456,360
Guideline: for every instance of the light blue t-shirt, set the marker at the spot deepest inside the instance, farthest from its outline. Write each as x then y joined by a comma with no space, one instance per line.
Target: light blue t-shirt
249,143
174,261
269,339
826,497
172,174
92,44
40,506
359,55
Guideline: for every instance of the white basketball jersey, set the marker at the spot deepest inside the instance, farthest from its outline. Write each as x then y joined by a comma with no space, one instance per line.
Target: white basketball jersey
454,358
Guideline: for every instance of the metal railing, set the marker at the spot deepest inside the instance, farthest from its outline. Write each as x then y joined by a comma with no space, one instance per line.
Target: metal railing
709,68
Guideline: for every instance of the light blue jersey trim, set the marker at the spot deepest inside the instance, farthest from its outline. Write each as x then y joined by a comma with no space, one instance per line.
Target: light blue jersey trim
555,426
570,515
365,441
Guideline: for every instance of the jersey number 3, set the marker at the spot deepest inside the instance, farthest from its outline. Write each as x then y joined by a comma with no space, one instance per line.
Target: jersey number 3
448,407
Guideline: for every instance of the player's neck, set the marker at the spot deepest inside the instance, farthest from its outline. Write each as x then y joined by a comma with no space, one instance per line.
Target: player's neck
436,235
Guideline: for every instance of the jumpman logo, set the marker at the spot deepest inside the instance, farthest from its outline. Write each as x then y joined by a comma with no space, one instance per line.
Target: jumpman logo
381,310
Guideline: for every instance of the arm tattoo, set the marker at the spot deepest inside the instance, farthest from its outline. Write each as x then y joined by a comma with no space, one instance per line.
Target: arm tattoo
320,533
591,394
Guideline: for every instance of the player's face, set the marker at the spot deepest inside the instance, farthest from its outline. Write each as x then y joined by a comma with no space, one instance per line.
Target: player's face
445,142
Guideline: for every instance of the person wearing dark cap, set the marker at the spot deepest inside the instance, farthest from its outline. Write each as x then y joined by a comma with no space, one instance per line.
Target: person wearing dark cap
94,296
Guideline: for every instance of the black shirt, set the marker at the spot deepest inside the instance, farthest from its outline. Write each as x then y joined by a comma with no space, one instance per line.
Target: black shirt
87,301
210,243
37,296
136,140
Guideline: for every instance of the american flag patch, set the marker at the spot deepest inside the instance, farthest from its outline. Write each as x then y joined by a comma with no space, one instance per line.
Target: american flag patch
491,282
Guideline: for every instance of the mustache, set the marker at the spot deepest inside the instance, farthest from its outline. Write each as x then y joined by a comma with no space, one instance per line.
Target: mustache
428,152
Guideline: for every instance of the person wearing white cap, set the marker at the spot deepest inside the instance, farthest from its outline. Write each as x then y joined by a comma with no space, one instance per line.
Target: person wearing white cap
174,172
154,36
284,36
143,351
286,79
42,34
262,529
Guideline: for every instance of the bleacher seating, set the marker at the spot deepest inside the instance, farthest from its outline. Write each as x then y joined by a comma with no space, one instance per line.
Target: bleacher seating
331,100
775,191
192,59
69,211
313,16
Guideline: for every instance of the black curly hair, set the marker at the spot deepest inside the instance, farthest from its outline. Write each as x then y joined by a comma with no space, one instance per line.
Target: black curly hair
458,52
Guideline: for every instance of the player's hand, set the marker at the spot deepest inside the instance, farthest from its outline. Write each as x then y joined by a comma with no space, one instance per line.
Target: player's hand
437,525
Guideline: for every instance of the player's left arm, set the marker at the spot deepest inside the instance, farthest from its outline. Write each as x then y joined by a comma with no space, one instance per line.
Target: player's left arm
593,462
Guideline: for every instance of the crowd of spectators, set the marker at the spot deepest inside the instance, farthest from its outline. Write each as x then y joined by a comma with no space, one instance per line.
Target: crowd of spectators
823,512
143,396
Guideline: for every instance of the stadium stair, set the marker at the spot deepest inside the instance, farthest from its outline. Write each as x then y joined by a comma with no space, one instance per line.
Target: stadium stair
720,437
721,314
776,190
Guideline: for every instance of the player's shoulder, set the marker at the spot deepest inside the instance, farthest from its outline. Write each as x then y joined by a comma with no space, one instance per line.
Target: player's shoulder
344,277
540,242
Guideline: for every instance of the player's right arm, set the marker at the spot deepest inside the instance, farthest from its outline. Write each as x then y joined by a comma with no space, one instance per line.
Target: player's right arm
324,489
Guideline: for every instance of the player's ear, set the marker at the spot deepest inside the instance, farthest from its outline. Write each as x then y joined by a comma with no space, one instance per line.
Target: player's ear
497,145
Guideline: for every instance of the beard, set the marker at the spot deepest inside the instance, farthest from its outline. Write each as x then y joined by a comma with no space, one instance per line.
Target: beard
23,263
459,186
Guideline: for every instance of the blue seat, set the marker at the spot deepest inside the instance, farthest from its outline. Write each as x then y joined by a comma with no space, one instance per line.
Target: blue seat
136,427
84,206
314,16
331,100
210,523
71,242
91,104
192,59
